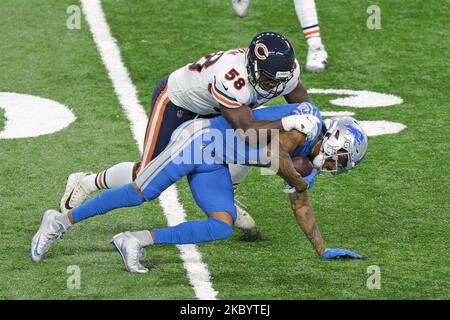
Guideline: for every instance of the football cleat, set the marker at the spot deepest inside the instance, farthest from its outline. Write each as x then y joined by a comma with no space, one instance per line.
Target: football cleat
241,7
49,231
317,59
244,220
130,250
75,193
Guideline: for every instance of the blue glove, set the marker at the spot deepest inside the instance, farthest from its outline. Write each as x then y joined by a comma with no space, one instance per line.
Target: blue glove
336,253
309,181
311,178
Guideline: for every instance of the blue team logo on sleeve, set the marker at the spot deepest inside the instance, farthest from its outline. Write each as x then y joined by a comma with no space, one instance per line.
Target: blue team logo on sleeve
307,108
359,137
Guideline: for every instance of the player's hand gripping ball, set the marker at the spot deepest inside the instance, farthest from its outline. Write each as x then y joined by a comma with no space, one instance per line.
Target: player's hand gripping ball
306,169
303,165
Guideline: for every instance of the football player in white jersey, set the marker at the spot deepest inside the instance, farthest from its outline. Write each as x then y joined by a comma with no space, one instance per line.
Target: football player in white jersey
317,57
230,83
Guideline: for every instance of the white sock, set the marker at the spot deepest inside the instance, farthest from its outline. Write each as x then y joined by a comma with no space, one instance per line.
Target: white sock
64,220
116,176
307,15
238,173
144,237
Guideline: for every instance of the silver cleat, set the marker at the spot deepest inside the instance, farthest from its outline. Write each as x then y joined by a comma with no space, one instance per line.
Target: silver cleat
49,231
130,249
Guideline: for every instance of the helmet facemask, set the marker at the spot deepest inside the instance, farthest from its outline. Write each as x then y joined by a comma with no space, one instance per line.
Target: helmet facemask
341,159
344,142
332,148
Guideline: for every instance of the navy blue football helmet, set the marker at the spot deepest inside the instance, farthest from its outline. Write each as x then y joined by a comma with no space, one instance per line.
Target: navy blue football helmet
271,54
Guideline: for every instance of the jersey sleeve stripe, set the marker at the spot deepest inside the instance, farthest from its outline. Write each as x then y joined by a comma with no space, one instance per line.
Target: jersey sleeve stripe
222,100
225,102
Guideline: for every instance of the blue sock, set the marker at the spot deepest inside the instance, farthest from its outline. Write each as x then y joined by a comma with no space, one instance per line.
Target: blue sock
195,231
125,196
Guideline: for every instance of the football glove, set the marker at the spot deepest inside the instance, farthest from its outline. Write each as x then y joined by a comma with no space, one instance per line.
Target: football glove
288,188
309,180
305,123
337,253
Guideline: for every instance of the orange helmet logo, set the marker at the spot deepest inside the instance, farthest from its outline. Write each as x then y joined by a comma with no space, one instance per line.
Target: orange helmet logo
261,48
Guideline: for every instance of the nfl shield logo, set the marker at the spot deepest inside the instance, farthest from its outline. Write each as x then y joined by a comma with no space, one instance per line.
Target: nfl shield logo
180,114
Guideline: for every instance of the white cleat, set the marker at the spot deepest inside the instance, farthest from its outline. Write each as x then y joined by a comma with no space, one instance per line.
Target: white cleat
49,231
241,7
130,249
244,220
75,193
317,59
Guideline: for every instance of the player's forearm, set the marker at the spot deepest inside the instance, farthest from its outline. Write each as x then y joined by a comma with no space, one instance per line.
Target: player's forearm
242,120
263,130
262,125
298,95
307,222
287,171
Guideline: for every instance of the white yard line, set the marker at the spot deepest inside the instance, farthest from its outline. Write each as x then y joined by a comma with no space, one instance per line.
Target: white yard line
197,271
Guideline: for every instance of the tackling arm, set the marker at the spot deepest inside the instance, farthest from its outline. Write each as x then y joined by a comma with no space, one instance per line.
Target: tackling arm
281,160
242,118
304,214
299,94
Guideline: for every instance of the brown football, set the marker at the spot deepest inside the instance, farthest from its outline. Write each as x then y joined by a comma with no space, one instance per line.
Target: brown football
303,165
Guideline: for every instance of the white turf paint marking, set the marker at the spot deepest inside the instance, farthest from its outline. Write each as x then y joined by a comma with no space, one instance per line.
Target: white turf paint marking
197,271
363,99
381,127
336,113
31,116
373,128
360,98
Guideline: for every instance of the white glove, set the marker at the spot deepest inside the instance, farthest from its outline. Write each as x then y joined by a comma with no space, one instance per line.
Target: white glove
305,123
288,188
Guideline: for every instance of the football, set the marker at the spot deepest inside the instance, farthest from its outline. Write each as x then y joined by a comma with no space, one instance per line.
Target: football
303,165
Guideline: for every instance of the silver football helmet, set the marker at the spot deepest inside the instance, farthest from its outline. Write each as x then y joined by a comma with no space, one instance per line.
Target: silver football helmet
345,142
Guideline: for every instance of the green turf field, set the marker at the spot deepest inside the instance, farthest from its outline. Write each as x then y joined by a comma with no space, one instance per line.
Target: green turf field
394,208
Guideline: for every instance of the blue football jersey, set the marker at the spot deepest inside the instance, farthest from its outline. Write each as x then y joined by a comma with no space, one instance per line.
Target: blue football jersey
233,149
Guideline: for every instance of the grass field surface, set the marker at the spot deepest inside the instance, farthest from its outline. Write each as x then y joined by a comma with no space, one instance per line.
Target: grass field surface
394,208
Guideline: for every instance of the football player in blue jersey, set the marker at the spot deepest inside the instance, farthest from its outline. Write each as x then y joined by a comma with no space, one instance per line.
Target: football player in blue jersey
201,149
228,83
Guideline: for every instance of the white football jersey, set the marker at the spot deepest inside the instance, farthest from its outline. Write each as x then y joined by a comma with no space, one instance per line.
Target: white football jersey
218,78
